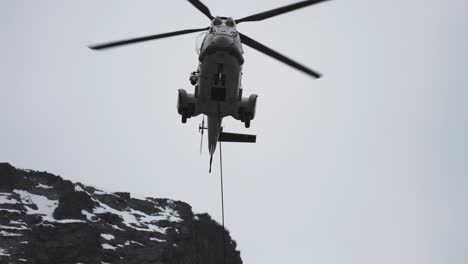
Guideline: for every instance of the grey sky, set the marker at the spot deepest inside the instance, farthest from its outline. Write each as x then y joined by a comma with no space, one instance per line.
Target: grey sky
367,165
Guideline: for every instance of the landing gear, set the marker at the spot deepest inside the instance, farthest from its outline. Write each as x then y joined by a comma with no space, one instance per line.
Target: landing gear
184,119
246,117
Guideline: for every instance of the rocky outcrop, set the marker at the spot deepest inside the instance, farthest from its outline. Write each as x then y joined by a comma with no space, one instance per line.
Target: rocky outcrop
45,219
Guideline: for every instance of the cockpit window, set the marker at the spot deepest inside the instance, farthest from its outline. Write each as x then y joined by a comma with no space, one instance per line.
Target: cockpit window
223,24
217,21
230,22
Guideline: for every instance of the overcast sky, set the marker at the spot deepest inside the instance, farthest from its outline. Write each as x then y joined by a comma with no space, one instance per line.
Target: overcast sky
367,165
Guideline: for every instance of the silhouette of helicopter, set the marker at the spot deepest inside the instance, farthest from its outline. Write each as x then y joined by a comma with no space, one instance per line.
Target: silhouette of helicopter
218,89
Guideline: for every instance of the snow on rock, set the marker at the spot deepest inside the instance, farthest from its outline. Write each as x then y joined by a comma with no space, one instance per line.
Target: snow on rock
99,192
132,218
138,243
10,210
7,234
107,236
157,239
3,252
170,214
118,228
107,246
43,186
144,222
91,217
78,188
127,243
13,222
114,227
45,207
13,227
5,199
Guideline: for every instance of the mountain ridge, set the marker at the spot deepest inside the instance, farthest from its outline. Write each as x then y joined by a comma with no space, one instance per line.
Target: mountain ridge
46,219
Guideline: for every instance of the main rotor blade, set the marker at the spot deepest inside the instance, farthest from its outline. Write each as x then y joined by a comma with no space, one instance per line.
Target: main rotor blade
146,38
264,49
278,11
203,8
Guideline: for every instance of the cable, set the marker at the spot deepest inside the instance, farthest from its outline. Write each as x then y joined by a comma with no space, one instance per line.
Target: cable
222,185
222,201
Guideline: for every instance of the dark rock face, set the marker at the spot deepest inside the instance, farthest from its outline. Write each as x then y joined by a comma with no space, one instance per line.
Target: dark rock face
63,243
45,219
204,245
71,204
7,179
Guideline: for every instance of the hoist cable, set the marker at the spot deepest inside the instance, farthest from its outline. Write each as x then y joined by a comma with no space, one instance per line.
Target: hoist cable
222,201
222,185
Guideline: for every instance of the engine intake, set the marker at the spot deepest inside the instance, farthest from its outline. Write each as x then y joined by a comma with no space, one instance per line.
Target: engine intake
246,109
186,105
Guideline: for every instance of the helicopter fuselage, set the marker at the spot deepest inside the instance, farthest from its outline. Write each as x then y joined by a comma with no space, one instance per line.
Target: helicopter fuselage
217,81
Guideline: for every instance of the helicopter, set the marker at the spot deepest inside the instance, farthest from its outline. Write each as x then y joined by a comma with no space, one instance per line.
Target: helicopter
218,90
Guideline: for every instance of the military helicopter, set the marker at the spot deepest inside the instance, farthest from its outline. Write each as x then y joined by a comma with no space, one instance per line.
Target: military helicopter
218,90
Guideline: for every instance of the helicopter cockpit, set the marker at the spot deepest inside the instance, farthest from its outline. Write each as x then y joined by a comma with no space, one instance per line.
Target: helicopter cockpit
219,26
223,24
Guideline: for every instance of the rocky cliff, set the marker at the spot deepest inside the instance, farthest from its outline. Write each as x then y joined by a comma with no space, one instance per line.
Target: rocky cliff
46,219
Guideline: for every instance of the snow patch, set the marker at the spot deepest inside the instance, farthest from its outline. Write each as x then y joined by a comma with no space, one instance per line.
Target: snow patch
157,239
118,228
99,192
3,252
125,244
88,215
43,186
78,188
45,207
107,246
171,214
138,243
10,210
5,199
144,222
6,234
166,213
68,221
107,236
13,227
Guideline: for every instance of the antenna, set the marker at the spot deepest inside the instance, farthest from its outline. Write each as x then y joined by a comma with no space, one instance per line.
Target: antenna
201,128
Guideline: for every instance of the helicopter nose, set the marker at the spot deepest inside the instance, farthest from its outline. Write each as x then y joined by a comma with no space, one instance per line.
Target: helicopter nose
223,40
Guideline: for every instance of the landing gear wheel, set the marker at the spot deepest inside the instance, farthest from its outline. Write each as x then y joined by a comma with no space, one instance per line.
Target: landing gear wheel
184,119
247,123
